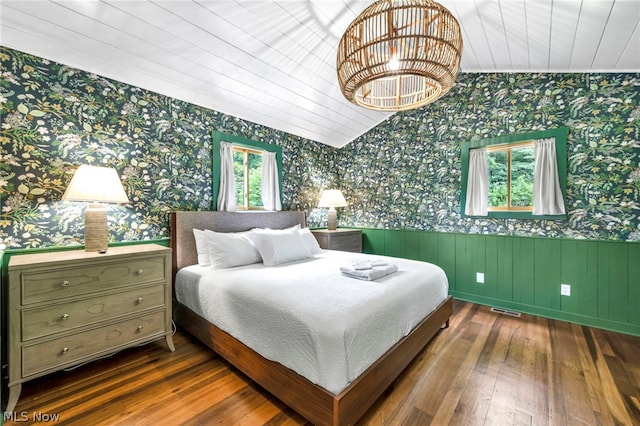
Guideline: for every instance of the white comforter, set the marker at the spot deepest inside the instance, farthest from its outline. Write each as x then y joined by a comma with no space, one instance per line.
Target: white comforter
307,316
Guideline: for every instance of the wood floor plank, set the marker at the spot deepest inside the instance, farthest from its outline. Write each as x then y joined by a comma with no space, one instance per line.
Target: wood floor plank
507,361
527,405
541,394
588,355
615,405
577,403
457,384
554,372
485,369
471,399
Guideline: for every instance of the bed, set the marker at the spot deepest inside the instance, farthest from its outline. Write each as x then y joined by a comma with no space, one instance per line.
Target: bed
350,397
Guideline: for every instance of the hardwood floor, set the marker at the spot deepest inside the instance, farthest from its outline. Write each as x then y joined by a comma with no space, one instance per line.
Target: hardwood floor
486,368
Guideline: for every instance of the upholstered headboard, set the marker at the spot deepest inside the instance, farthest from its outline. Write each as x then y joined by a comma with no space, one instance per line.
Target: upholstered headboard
183,223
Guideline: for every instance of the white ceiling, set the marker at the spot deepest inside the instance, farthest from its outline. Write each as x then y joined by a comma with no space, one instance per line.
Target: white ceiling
273,62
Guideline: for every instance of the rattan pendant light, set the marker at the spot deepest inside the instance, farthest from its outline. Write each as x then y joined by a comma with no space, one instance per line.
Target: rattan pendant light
399,54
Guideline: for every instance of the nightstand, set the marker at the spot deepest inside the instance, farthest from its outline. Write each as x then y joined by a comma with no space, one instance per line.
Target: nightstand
341,239
69,307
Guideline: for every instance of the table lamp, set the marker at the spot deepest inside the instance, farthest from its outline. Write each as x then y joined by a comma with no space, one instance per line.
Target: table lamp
97,185
332,198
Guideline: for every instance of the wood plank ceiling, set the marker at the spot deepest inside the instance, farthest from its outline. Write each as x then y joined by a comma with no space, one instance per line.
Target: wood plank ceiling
273,62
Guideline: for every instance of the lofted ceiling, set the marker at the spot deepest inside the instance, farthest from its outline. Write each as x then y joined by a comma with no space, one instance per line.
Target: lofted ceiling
273,62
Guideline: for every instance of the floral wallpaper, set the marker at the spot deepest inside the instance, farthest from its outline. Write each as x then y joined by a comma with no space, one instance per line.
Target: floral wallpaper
403,174
55,118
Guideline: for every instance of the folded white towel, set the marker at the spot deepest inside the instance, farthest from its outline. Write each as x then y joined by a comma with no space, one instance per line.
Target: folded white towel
368,264
374,271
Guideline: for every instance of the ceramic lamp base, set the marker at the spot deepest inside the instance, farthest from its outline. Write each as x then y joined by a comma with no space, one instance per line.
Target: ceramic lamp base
96,232
332,219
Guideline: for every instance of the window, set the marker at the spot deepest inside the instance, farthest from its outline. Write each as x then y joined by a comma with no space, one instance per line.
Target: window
511,164
511,177
247,164
247,159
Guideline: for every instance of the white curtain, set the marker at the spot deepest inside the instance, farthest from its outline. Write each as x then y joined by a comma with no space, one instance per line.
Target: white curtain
227,189
270,182
547,196
477,183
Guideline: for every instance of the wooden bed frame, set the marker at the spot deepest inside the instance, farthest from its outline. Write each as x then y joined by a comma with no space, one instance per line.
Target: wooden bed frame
311,401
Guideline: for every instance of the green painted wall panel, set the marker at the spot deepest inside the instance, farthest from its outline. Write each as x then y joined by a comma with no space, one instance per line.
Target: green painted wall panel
523,262
572,275
547,272
589,279
429,246
373,241
633,260
465,278
476,252
447,257
490,288
616,281
604,278
579,270
504,268
603,281
412,244
394,243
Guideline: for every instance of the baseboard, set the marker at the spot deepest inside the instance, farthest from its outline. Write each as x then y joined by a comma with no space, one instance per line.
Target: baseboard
604,324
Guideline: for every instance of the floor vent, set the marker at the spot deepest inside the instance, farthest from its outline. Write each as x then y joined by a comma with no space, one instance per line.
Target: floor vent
506,312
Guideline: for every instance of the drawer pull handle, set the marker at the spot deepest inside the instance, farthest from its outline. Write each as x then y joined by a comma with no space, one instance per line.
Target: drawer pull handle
140,271
65,283
64,351
140,328
139,301
64,317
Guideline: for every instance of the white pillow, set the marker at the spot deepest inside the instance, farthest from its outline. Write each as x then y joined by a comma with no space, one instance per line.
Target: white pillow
280,247
293,228
310,241
201,247
229,249
224,249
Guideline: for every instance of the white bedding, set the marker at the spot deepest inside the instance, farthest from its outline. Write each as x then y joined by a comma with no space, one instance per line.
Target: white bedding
305,315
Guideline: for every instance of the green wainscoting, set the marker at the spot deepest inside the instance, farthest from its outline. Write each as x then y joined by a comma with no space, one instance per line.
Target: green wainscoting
524,273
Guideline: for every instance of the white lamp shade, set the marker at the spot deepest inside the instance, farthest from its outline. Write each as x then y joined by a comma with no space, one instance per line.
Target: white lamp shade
97,184
332,198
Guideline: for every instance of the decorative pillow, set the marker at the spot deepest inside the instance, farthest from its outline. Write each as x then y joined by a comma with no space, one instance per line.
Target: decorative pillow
280,247
229,249
310,241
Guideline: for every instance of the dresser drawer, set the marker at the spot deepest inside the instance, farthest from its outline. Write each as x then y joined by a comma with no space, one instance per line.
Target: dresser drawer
48,355
62,283
66,316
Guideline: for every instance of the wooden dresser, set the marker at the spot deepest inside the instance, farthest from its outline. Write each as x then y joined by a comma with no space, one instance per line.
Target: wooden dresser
71,307
344,239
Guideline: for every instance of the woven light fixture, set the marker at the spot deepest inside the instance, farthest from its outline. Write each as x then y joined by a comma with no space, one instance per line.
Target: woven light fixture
399,54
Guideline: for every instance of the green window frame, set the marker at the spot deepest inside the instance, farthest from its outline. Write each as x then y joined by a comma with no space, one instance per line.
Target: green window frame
243,143
560,136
